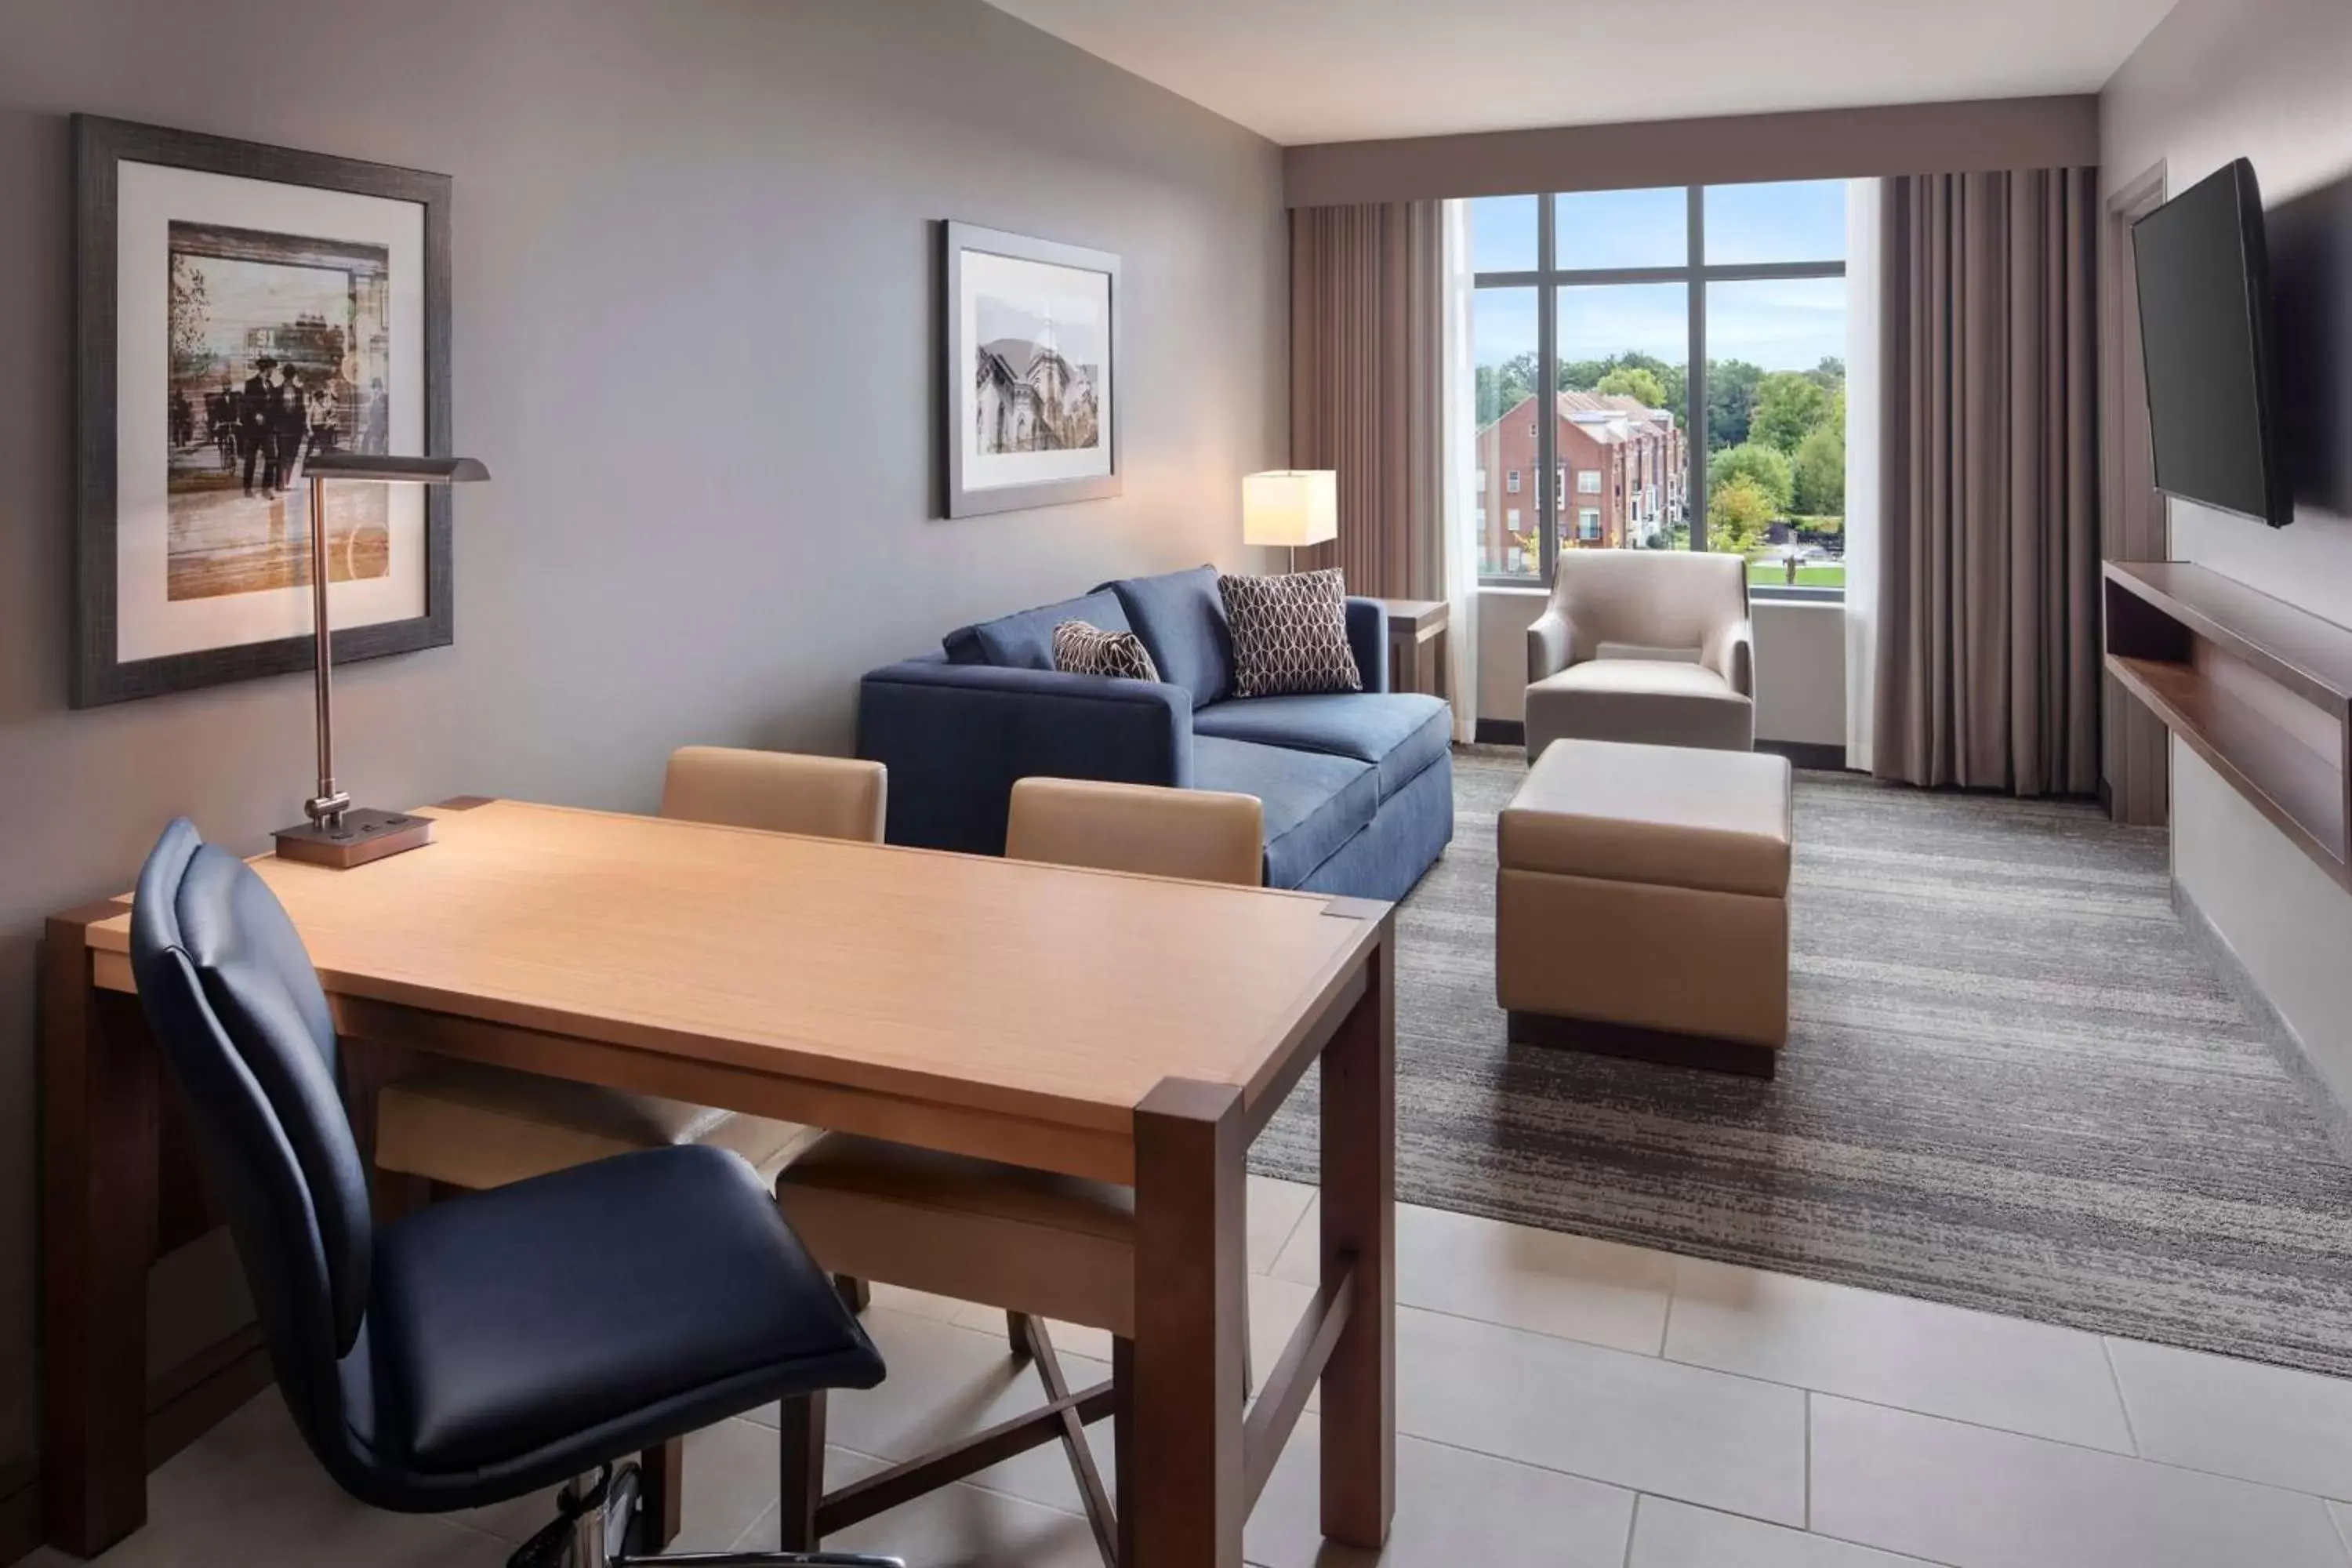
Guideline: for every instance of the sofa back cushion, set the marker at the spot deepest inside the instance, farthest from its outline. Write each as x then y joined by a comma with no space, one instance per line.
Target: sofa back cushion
1026,640
1183,622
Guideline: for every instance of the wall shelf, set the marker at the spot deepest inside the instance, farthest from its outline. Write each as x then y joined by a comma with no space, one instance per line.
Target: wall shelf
2259,689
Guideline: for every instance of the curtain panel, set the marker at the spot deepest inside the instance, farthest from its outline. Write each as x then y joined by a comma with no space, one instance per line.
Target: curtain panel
1366,387
1987,636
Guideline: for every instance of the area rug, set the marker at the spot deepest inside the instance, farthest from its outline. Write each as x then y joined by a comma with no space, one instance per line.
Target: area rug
2013,1082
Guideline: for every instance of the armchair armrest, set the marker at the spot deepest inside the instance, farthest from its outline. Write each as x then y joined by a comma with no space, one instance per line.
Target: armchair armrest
1731,654
1548,642
1368,639
956,736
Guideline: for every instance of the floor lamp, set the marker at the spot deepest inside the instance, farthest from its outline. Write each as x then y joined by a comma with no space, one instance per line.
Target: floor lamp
1290,507
337,833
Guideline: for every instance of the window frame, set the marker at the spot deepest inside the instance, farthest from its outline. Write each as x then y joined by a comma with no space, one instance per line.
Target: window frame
1694,274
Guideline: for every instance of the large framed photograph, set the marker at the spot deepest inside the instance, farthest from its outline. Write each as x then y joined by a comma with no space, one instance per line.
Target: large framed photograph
1030,371
239,309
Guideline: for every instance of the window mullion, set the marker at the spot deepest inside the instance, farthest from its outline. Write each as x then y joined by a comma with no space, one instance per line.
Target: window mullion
1546,382
1695,377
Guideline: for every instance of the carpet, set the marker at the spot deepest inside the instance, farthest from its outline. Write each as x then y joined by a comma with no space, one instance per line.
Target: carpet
2013,1082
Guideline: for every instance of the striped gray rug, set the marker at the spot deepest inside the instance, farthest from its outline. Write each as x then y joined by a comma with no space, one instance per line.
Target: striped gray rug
2013,1083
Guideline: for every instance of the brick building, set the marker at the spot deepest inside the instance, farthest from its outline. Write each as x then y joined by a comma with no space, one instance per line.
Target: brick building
1621,474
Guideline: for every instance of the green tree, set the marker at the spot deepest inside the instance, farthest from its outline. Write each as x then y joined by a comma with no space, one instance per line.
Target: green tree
1788,407
1765,467
1737,515
1830,375
1820,467
1730,401
1636,381
1501,387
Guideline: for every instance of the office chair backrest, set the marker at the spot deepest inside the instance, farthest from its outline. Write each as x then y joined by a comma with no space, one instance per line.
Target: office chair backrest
237,1009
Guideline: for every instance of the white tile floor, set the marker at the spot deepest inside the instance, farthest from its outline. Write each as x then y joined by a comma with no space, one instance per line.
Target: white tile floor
1562,1402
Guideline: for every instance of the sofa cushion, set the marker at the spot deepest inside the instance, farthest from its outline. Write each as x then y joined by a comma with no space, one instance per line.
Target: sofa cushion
1026,640
1183,622
1399,732
1314,801
1644,701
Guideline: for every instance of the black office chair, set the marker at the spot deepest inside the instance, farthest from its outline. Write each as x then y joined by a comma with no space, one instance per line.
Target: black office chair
488,1346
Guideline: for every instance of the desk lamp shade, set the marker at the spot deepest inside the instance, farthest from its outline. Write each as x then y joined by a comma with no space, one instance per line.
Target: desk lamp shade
337,833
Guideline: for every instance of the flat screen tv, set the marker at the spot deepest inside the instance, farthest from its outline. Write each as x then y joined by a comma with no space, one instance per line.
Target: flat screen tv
2205,331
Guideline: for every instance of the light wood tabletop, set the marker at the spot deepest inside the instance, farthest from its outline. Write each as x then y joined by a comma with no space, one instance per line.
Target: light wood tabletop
1135,1029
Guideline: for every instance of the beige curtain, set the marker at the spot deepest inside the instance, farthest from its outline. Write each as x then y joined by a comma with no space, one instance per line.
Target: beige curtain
1988,672
1367,373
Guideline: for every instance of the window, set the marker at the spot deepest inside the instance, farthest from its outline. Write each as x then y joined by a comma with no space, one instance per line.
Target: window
1693,339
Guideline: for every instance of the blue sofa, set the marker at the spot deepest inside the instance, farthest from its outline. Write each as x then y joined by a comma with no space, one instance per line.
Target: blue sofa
1358,787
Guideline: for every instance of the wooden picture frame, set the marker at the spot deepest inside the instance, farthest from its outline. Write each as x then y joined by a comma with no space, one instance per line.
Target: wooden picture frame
102,148
1069,449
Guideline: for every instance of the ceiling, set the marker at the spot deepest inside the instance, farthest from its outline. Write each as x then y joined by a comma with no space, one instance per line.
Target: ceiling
1337,70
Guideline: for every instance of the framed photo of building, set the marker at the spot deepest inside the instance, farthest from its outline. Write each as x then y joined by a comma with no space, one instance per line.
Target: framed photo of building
1030,367
239,309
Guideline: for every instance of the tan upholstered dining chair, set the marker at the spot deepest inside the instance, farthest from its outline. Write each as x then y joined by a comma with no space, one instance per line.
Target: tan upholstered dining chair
1039,1246
1202,836
464,1125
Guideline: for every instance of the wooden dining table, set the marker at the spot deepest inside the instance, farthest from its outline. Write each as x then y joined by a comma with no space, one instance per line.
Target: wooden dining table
1134,1029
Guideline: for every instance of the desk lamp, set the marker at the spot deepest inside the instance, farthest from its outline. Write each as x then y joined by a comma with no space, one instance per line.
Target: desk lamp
339,834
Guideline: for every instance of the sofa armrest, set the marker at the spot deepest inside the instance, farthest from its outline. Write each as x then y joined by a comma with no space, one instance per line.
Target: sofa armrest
955,736
1368,639
1548,642
1731,654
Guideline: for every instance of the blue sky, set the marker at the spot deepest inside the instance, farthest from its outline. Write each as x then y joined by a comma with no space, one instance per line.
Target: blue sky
1781,325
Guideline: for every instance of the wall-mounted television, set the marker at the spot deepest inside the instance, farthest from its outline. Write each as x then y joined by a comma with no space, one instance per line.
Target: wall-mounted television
2203,271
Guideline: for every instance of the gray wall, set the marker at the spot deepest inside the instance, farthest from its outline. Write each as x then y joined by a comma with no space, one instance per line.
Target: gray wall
2264,79
694,341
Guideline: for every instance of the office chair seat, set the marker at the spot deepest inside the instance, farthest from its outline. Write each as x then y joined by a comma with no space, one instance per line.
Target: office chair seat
551,1323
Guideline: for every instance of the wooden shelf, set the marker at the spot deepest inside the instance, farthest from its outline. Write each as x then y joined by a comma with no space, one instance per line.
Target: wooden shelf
2171,628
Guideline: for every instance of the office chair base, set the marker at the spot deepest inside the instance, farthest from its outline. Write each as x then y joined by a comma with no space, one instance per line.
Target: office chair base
600,1516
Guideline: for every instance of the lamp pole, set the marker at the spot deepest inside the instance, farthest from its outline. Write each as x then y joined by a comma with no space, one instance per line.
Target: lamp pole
327,808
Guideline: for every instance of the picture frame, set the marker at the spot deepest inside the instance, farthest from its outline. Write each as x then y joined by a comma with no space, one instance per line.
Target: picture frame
238,307
1030,369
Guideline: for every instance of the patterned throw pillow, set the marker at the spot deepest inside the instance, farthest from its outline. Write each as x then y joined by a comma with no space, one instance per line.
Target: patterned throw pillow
1290,634
1081,648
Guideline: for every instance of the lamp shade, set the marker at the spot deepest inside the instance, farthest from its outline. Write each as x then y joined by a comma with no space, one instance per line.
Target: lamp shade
1290,506
397,470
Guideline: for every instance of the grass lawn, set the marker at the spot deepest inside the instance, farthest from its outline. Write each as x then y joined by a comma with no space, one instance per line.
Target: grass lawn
1772,574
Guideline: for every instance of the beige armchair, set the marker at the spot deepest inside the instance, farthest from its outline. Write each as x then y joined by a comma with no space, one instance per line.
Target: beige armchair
1644,646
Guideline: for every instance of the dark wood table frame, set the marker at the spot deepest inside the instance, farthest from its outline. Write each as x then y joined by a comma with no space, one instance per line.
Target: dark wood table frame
120,1187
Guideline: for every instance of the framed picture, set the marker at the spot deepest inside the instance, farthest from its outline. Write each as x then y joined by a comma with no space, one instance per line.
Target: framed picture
1031,371
238,309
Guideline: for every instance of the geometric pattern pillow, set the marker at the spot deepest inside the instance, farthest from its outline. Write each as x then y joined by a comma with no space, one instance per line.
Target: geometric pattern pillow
1081,648
1290,634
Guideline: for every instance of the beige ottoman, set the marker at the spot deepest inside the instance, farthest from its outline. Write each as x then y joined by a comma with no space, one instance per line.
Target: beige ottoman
1641,904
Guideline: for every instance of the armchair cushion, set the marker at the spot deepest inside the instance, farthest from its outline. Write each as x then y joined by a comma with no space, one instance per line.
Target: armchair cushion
1657,702
1400,733
1180,619
1026,640
1314,801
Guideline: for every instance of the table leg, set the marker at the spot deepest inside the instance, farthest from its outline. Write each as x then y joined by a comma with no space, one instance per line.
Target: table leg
1186,1415
99,1142
1359,1210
